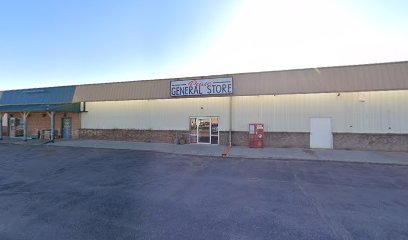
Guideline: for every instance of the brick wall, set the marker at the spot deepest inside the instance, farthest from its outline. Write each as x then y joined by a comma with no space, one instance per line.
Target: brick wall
239,138
385,142
160,136
380,142
272,139
40,121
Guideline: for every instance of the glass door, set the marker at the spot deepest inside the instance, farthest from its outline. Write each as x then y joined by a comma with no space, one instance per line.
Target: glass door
193,130
204,130
66,128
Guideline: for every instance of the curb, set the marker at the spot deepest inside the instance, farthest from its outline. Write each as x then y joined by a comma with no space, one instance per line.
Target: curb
319,160
227,155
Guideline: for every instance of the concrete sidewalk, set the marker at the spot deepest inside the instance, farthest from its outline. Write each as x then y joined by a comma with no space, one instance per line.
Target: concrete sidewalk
191,149
378,157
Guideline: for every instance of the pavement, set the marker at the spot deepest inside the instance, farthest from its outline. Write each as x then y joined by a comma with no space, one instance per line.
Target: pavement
377,157
65,193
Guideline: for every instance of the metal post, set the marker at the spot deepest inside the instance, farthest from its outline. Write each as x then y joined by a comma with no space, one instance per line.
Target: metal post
25,115
1,126
52,126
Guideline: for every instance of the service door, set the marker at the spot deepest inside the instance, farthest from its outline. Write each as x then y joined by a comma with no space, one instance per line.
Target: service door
66,128
321,133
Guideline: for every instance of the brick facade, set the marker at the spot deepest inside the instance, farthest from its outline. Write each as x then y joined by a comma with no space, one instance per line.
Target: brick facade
159,136
239,138
379,142
41,121
272,139
382,142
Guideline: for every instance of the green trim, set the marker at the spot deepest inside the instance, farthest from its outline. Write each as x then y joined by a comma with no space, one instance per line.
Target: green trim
67,107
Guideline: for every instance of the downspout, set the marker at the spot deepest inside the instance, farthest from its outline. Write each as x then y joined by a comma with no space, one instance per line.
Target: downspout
225,153
230,121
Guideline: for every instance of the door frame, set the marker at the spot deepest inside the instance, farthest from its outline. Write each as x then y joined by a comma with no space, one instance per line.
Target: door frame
331,131
210,129
62,127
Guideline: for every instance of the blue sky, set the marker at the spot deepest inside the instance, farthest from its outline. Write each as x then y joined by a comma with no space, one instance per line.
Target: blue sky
64,42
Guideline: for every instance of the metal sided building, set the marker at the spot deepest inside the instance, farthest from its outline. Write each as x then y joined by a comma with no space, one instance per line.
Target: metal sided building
348,107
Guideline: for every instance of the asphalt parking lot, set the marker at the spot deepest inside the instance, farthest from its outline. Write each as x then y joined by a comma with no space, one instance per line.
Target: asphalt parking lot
60,193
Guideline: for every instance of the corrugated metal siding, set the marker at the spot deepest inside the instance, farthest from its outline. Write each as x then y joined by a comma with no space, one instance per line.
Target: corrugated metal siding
1,94
372,77
391,76
165,114
138,90
365,112
53,95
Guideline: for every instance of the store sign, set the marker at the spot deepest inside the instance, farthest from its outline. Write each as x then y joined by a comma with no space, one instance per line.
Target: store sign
198,87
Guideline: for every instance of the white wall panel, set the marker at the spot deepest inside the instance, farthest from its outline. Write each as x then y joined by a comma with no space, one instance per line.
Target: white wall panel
161,114
365,112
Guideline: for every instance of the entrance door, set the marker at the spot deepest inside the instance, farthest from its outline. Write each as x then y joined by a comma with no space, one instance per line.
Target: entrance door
321,133
204,130
66,128
16,128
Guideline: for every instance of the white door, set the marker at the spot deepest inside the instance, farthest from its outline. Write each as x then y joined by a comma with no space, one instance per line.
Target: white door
321,133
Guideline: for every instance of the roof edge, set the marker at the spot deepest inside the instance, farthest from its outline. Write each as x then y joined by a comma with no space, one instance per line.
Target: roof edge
215,75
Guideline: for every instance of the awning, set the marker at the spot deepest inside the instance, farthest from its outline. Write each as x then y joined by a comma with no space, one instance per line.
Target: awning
66,107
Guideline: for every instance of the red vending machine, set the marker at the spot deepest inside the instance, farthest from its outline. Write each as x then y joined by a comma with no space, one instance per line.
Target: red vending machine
256,135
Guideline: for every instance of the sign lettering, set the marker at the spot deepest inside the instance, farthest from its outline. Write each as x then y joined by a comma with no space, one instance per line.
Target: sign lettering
197,87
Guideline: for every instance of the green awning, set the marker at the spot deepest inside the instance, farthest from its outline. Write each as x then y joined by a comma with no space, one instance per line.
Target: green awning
66,107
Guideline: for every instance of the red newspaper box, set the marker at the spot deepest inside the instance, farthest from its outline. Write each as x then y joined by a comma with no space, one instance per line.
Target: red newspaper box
256,135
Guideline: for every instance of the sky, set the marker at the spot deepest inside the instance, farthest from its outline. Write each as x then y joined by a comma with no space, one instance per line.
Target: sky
65,42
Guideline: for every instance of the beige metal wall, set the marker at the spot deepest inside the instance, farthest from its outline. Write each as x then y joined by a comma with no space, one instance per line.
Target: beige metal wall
364,112
370,77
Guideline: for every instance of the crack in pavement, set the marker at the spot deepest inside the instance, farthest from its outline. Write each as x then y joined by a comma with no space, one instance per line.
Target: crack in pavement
337,229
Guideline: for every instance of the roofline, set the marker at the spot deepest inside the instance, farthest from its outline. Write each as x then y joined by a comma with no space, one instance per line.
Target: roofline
37,88
327,67
215,75
29,104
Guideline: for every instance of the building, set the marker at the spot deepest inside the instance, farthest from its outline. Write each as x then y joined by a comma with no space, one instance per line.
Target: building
347,107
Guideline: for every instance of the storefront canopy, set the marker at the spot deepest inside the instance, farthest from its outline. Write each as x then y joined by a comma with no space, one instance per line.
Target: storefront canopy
54,99
67,107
